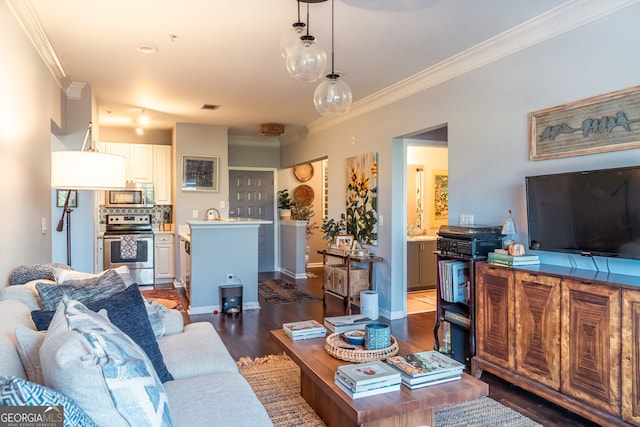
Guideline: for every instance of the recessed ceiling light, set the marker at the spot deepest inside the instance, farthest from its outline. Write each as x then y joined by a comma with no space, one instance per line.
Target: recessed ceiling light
148,50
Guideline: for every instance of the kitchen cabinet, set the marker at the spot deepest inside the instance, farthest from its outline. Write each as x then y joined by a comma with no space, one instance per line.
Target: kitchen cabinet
591,344
571,336
139,160
146,163
421,265
162,174
164,258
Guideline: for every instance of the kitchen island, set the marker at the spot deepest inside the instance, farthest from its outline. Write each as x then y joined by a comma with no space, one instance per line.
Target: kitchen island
219,249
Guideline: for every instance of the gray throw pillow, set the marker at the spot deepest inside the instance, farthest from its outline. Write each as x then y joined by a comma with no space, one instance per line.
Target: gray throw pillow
84,290
26,273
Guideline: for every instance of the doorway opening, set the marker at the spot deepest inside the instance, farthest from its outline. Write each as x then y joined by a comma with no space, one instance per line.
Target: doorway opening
426,171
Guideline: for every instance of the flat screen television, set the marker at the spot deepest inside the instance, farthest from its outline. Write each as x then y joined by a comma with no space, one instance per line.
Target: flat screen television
592,213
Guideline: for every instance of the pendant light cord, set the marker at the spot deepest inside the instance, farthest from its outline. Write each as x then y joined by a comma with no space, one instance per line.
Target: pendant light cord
332,39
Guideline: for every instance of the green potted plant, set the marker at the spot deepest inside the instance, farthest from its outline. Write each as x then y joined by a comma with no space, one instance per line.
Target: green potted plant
332,228
284,204
304,212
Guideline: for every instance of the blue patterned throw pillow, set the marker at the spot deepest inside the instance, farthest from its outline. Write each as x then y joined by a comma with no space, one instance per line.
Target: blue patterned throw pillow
83,290
16,391
127,311
102,369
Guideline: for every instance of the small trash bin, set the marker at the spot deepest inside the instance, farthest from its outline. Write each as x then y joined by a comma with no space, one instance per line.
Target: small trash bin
231,299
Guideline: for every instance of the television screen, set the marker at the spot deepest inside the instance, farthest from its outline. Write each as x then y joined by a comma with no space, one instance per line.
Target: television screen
593,213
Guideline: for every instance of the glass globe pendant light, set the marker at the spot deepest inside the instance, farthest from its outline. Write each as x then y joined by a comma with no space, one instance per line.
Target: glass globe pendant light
292,36
306,60
333,96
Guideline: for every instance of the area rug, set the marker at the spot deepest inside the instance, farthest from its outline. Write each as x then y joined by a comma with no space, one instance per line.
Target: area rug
276,381
166,297
278,291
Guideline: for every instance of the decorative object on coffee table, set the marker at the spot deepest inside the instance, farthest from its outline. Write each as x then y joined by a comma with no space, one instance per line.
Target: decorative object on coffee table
336,346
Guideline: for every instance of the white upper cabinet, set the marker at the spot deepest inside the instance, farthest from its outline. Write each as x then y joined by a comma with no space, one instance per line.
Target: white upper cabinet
145,163
162,174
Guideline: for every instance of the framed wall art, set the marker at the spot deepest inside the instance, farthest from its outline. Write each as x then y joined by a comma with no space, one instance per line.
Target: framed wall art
603,123
61,196
362,197
439,214
200,173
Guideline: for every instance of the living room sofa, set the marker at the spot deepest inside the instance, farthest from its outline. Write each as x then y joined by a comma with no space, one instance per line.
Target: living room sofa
204,386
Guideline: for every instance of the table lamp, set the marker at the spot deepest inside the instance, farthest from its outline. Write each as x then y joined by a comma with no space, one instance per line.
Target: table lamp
84,170
508,230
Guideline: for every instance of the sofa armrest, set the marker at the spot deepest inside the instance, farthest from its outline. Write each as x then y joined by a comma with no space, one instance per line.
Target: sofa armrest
198,350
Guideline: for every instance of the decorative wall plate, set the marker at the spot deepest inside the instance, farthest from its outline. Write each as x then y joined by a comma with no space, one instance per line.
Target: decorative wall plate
303,194
303,172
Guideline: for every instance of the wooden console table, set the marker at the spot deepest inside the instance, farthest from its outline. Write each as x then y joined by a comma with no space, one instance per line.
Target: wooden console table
347,260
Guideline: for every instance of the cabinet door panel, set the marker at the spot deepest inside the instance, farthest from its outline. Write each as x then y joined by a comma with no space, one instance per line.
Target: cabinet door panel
631,356
494,315
537,343
591,344
413,265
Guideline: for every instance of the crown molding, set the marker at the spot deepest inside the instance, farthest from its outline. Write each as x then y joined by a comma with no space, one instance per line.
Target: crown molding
26,16
560,20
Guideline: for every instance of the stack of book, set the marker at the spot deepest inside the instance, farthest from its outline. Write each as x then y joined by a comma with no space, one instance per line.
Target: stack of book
512,261
426,368
367,379
345,323
454,280
304,329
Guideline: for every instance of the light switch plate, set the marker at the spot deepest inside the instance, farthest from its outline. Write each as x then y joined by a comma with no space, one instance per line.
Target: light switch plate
195,213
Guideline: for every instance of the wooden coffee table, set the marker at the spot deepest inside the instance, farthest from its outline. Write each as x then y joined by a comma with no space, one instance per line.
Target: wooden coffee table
397,408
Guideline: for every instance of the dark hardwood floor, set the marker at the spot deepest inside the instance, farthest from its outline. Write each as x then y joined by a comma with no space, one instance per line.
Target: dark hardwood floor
248,335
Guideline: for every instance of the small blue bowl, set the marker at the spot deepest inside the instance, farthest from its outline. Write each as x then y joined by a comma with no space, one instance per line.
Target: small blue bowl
354,337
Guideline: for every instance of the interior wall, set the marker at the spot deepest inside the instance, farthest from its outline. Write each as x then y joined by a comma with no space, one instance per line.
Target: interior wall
29,103
201,140
256,152
486,112
129,136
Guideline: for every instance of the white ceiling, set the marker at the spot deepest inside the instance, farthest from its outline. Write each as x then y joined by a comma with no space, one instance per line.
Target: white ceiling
227,52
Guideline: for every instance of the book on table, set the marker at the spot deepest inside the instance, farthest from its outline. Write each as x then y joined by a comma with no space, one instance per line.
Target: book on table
370,392
420,382
304,329
511,260
345,323
425,364
368,375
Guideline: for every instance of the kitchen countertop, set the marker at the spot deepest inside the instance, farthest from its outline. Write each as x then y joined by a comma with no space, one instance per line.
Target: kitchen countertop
228,222
422,238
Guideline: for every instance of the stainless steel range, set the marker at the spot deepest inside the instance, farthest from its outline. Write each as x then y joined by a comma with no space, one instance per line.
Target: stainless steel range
128,240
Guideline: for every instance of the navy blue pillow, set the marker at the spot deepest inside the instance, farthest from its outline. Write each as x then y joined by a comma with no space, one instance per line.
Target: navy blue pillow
127,311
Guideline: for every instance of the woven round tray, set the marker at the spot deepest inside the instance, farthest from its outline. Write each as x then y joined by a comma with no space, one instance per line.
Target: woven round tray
337,347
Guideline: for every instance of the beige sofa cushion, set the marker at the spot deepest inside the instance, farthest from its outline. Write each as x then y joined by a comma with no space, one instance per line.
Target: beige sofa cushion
12,314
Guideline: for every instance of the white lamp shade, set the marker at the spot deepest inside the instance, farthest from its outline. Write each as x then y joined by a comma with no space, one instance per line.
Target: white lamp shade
332,97
87,170
306,61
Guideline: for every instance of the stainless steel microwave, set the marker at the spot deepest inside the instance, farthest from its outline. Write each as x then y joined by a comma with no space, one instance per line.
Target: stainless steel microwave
133,196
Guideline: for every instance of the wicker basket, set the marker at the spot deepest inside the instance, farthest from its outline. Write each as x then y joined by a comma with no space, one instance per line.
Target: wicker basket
337,347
